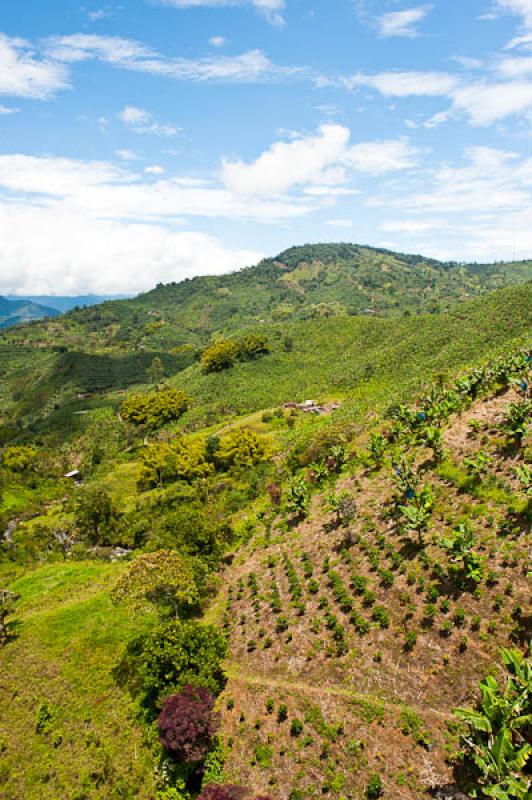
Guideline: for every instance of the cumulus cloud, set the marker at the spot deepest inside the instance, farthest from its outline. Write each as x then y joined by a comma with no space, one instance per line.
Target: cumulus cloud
322,160
24,74
141,121
402,23
44,250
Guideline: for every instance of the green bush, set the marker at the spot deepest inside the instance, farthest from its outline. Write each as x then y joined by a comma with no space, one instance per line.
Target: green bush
176,654
156,409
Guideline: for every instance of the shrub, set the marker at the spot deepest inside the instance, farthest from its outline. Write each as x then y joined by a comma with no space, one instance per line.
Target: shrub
242,448
175,655
96,516
373,788
381,616
297,497
20,458
187,724
182,459
296,728
163,577
219,356
154,410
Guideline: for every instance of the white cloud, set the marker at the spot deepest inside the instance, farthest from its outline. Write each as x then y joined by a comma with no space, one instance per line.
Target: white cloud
155,170
43,250
7,111
483,102
108,191
340,223
141,121
402,23
288,164
478,209
22,74
250,67
217,41
413,226
322,160
127,155
521,8
272,10
379,157
515,67
99,14
405,84
487,103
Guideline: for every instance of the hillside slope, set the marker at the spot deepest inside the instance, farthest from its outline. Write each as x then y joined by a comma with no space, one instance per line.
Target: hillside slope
307,282
370,633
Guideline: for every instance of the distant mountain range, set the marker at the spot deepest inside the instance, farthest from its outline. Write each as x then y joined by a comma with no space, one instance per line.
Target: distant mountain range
17,309
62,303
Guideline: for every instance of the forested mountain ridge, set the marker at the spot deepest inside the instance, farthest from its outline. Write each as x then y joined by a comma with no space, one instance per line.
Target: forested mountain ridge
306,282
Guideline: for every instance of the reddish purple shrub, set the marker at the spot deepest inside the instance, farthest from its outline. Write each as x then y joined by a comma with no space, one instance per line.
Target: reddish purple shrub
215,792
187,724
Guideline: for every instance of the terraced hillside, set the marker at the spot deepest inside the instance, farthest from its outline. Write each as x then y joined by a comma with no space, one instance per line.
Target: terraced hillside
355,632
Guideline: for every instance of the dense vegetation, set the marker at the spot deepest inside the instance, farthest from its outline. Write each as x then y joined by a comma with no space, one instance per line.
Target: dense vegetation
206,595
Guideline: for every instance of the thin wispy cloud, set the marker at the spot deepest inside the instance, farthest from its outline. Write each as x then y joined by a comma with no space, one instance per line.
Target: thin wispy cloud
24,74
141,121
252,66
271,10
402,23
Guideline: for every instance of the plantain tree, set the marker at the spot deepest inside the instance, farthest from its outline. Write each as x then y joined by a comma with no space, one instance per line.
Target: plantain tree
496,745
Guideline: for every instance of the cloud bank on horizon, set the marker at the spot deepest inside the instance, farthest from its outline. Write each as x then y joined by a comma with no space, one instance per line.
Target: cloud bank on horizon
184,137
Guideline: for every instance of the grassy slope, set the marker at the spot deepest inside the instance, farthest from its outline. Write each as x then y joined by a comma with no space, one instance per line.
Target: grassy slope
367,361
69,639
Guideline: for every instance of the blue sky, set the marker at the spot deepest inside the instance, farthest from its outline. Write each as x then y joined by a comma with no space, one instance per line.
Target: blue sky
147,141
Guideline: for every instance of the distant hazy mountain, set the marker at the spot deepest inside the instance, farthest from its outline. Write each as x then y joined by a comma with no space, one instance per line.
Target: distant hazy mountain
18,310
62,303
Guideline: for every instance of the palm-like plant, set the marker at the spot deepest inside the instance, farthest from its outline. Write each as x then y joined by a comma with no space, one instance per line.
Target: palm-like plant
418,511
516,421
461,549
497,745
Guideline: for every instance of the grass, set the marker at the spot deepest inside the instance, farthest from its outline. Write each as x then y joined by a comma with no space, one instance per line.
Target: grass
69,637
367,363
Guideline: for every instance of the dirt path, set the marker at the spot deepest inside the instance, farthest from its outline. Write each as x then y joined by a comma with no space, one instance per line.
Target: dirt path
236,675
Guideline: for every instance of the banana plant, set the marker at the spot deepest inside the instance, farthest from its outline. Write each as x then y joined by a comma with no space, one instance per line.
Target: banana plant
298,497
377,449
523,474
477,466
418,511
461,550
496,745
516,421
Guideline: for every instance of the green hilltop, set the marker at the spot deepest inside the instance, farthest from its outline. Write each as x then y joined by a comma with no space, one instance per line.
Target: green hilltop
308,282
